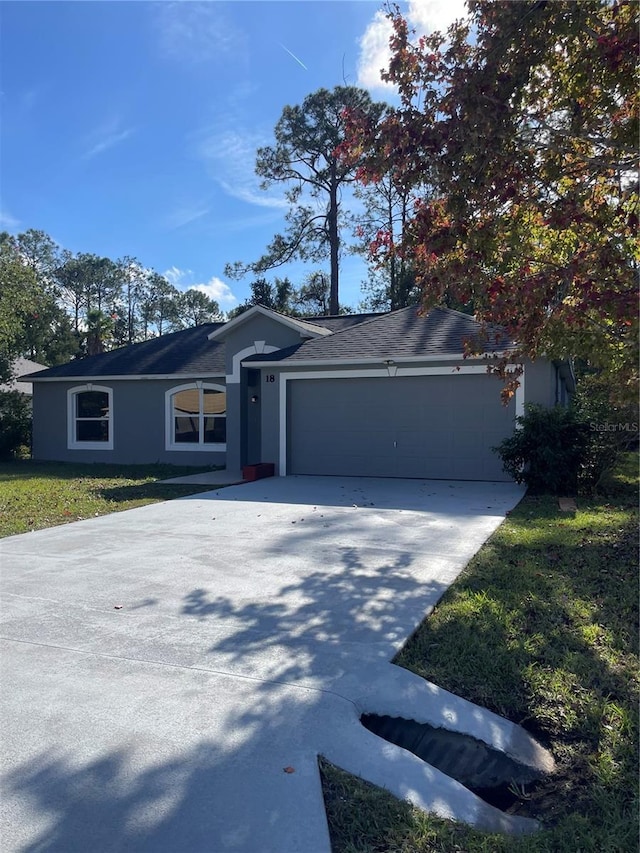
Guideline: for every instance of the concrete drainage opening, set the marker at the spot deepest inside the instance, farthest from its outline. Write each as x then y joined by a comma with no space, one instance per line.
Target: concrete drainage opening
495,777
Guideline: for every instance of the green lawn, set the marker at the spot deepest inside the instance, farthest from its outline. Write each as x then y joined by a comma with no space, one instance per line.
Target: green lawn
42,494
542,627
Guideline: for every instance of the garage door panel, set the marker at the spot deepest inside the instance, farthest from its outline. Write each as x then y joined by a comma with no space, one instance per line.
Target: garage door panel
469,441
422,426
412,441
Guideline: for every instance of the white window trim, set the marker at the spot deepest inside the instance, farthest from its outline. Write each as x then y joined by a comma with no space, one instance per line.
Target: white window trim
388,371
72,443
257,348
169,443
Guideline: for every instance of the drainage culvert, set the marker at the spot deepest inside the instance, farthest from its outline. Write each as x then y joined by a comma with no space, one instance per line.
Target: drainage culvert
489,773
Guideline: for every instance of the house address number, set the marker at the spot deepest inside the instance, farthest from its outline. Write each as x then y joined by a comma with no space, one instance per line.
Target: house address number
269,377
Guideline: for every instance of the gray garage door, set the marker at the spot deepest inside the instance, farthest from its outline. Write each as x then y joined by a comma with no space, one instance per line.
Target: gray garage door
440,427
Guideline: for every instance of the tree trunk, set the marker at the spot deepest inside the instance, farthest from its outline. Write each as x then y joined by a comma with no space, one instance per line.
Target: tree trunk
393,279
334,242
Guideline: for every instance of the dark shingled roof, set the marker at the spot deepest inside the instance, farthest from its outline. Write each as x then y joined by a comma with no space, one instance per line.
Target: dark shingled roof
400,334
338,322
187,352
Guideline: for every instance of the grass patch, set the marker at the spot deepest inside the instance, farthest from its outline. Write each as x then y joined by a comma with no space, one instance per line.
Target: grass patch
541,627
34,495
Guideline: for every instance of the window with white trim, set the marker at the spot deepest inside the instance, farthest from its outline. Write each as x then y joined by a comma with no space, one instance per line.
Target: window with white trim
90,417
197,417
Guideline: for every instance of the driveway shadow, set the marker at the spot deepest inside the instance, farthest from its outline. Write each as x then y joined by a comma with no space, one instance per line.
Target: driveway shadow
199,799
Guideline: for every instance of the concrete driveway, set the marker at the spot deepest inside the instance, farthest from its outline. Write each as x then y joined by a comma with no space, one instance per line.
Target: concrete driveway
170,673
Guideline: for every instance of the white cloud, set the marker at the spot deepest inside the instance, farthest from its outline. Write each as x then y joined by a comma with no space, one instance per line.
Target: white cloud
266,217
108,142
230,156
104,137
196,32
215,288
374,52
254,195
176,276
7,220
185,215
425,16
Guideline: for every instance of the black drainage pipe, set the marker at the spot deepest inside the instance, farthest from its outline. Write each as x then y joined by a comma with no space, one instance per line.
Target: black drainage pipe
489,773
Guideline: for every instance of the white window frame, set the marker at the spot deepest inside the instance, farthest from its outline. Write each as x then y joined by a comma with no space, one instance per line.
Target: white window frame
72,442
169,434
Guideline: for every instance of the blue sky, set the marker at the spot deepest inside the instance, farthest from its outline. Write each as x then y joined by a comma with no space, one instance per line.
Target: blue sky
130,128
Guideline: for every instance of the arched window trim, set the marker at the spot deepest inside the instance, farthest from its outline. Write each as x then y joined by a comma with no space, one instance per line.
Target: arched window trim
169,435
72,442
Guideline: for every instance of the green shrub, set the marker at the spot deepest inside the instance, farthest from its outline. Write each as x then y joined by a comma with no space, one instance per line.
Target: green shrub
547,451
15,424
612,427
563,450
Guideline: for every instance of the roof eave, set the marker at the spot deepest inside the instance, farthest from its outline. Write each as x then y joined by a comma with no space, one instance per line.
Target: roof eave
127,377
389,359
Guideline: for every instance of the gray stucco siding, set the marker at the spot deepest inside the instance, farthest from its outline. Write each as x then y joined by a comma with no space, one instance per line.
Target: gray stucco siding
544,385
258,328
437,426
270,411
50,420
245,421
539,384
234,426
139,419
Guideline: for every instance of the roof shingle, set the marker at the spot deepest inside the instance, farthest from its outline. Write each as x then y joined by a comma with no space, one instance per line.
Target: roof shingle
187,352
401,334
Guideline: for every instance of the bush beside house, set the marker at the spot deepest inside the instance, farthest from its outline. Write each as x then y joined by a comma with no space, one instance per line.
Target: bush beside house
565,450
15,424
16,410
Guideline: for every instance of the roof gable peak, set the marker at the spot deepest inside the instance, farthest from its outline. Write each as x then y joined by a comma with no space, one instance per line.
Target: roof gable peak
306,329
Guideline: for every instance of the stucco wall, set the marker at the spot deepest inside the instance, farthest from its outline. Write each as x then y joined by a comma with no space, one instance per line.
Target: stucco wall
258,328
138,424
270,395
246,421
540,382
